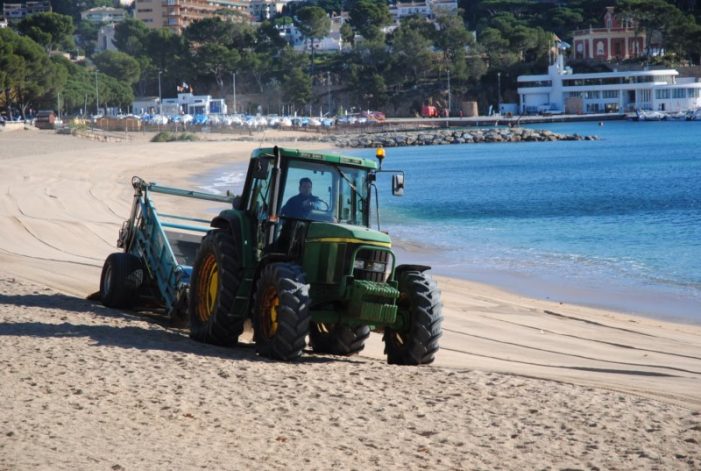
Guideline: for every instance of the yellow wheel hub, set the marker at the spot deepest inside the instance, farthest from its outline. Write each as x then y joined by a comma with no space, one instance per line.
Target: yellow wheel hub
208,289
269,312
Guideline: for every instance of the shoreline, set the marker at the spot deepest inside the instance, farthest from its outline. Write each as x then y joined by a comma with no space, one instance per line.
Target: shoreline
182,174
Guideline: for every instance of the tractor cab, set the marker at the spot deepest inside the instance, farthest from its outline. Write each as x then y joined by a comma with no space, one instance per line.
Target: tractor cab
287,191
327,187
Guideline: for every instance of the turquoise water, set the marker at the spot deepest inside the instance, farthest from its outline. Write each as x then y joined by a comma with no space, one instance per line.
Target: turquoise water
614,223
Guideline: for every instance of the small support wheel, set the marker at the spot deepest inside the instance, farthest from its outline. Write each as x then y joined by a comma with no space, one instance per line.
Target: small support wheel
122,276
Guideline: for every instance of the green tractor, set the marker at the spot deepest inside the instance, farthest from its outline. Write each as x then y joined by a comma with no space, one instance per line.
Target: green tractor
294,253
297,256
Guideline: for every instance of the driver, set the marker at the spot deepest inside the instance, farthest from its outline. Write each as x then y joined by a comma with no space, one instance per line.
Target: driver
300,205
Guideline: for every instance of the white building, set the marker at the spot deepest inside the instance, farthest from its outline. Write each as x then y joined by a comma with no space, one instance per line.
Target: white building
15,11
616,92
329,43
184,103
401,10
104,15
425,8
105,38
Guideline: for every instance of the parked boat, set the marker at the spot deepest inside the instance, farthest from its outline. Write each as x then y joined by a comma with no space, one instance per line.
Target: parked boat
676,116
643,115
694,115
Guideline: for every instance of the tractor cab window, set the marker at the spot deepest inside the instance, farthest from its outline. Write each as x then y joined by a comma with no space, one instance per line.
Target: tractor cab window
259,197
325,192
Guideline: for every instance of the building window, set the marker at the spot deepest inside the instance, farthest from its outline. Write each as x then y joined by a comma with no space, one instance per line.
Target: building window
609,94
678,93
599,48
591,95
692,92
662,94
645,96
536,83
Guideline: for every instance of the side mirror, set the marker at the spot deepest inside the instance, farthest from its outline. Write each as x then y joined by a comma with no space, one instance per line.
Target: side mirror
398,185
260,169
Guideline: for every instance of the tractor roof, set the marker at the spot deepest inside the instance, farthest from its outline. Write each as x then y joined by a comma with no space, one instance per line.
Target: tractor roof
316,156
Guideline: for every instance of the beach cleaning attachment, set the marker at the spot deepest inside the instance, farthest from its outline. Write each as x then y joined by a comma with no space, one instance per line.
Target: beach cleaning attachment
158,251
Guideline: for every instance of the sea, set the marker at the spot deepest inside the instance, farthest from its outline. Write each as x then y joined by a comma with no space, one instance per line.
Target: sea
612,223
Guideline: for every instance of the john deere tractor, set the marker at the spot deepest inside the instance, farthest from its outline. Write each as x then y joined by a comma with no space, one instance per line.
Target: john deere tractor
295,254
323,273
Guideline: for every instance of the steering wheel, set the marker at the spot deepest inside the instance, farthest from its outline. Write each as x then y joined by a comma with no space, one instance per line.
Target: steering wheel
321,205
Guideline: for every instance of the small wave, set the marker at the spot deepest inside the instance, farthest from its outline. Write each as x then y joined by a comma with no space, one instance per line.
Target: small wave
230,181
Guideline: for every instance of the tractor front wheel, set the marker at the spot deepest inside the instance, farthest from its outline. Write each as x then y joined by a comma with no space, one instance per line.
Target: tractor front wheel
122,276
420,305
281,312
216,277
338,339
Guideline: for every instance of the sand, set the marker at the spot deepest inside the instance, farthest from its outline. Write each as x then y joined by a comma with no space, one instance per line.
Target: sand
518,383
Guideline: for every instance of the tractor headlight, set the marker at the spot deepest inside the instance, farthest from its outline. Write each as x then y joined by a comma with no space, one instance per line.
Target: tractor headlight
368,265
373,265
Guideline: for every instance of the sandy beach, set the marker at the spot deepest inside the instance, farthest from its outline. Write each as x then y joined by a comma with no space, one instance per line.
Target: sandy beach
518,383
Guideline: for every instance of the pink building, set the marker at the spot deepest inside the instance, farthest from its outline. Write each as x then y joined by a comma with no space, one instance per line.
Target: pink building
619,39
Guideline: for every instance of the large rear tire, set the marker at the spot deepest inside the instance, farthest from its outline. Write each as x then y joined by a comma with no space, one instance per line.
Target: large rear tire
281,312
338,339
420,304
216,276
122,276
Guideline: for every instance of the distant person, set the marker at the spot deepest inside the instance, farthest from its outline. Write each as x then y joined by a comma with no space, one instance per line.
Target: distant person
300,205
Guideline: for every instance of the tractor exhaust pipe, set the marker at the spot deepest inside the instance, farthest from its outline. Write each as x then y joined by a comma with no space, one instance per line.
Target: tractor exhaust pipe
272,216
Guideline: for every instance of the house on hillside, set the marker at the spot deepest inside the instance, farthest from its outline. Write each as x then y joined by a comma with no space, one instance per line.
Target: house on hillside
424,8
105,38
15,11
329,43
104,15
618,39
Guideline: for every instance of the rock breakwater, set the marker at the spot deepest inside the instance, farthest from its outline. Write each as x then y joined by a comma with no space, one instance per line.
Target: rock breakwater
449,136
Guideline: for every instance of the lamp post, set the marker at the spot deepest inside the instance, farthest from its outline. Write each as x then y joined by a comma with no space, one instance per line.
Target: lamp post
328,88
233,83
449,97
97,96
499,92
160,98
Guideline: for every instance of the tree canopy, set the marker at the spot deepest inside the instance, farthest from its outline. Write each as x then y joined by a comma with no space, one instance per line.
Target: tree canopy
417,60
51,30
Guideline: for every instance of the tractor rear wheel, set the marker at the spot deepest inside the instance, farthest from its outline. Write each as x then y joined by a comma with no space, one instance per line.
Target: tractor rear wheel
420,305
281,312
122,276
338,339
216,276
